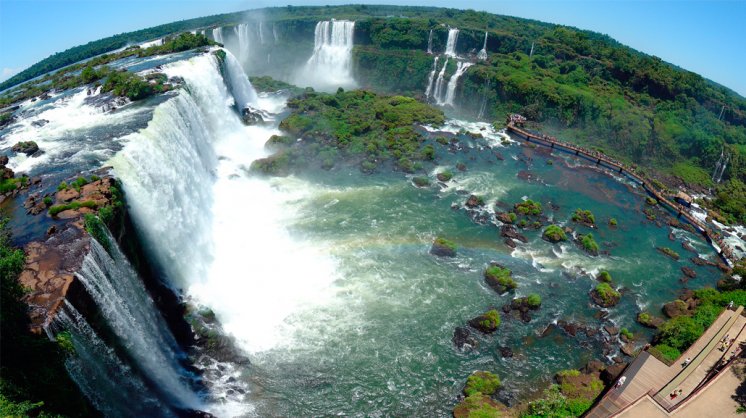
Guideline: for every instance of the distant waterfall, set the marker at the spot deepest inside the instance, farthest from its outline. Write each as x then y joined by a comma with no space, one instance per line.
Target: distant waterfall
453,82
240,86
260,31
113,388
217,35
483,105
431,79
130,312
439,83
720,166
330,65
274,33
242,34
482,54
430,43
451,43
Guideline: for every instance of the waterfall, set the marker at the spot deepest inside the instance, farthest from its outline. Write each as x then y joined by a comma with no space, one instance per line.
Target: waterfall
131,314
330,65
483,105
218,233
217,35
720,166
261,32
430,42
242,34
111,386
451,43
274,33
437,93
482,54
240,86
431,79
453,82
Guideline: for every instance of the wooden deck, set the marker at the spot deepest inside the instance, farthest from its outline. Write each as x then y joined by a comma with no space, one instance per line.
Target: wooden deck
649,382
605,161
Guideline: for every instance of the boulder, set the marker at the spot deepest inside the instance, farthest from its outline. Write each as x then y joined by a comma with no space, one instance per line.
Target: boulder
474,201
505,352
443,248
649,321
3,160
628,349
251,116
594,366
675,308
689,272
509,231
504,217
25,147
487,322
510,243
611,373
611,330
463,340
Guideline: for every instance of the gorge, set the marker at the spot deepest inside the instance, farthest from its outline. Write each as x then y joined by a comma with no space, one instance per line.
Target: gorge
270,253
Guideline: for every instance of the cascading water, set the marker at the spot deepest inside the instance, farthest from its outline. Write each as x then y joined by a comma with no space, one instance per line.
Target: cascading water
217,35
451,43
130,312
453,82
430,43
482,54
242,34
240,86
330,65
483,105
437,93
431,79
274,33
260,31
113,388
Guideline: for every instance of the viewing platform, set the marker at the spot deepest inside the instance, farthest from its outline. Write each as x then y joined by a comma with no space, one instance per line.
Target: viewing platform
702,375
602,160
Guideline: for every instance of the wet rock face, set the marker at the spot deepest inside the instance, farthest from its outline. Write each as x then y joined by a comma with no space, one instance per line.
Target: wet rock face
463,340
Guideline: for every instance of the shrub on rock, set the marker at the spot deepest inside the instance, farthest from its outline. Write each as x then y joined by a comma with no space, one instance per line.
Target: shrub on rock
604,295
499,279
554,234
482,382
487,323
443,248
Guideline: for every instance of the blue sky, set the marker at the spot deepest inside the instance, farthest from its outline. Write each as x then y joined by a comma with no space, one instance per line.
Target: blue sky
707,37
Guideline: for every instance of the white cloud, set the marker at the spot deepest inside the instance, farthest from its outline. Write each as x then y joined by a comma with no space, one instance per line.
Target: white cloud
6,73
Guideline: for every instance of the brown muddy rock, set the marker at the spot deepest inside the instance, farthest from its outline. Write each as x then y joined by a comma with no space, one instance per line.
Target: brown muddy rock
4,160
676,308
474,201
67,195
593,366
569,327
510,243
509,231
689,272
611,373
49,272
629,349
611,330
702,262
685,245
504,217
461,167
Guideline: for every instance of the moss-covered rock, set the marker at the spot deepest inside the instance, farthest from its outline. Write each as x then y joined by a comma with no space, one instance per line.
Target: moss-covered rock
649,321
669,252
604,277
676,308
445,175
478,406
278,142
588,244
421,181
554,234
482,382
528,208
499,279
487,323
443,248
604,295
584,217
474,201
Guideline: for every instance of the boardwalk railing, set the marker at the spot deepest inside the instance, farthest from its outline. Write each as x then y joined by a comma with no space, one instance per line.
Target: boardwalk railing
603,160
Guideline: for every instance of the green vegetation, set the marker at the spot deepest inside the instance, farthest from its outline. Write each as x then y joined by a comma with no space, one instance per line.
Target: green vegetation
665,353
363,127
490,320
96,228
589,244
500,279
56,209
269,84
650,201
528,208
626,333
612,222
606,294
8,185
421,181
533,301
443,242
604,276
33,378
555,404
477,406
584,217
48,201
482,382
554,233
